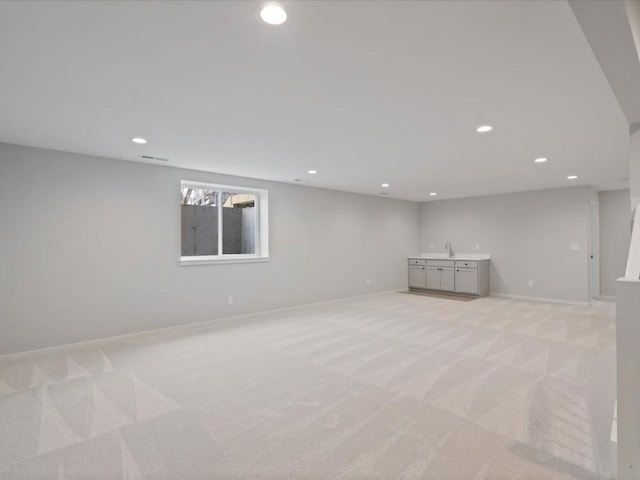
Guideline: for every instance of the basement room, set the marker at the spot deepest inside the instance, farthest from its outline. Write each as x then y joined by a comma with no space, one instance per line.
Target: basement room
307,239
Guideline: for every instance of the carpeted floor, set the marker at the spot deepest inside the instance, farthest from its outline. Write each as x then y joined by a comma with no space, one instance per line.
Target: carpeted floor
390,386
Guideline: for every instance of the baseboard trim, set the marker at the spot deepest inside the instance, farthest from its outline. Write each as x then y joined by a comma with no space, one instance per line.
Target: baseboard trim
88,343
538,299
614,424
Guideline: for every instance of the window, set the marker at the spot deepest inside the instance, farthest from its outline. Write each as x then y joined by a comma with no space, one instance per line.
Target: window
223,224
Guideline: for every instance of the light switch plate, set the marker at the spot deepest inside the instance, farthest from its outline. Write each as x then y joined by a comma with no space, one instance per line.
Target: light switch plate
574,247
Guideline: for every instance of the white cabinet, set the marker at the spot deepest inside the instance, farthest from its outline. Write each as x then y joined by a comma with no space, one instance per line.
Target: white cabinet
433,278
447,279
417,273
467,280
417,277
470,277
440,275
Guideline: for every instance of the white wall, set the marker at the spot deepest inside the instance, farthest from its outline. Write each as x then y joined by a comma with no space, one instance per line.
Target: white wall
615,233
527,234
90,249
634,165
628,378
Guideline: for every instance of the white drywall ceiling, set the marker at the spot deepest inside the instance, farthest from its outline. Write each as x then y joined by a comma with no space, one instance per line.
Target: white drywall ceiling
364,92
607,27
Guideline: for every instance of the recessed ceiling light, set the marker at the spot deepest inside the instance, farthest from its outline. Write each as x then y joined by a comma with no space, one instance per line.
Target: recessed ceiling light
139,140
297,179
383,193
385,185
273,14
540,160
572,177
433,194
484,128
312,172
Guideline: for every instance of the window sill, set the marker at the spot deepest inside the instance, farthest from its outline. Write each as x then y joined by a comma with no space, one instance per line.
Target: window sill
221,260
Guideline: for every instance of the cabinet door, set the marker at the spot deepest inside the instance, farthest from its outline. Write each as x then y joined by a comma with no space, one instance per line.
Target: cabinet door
417,277
467,280
447,279
433,278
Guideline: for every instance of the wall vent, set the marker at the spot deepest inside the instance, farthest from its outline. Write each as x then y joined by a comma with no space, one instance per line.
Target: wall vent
150,157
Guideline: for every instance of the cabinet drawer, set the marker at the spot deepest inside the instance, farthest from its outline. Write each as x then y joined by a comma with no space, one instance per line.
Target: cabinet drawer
441,263
466,264
416,261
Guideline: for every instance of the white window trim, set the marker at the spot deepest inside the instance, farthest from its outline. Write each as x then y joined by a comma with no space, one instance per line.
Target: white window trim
262,227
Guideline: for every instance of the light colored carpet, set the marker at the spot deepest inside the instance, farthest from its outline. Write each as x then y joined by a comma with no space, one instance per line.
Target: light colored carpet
389,386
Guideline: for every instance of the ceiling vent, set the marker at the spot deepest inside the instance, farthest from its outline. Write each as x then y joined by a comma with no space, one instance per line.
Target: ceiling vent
150,157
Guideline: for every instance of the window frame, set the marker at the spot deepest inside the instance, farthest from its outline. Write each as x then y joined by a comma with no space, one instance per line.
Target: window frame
262,227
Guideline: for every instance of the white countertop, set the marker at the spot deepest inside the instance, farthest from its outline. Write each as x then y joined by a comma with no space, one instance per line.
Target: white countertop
458,256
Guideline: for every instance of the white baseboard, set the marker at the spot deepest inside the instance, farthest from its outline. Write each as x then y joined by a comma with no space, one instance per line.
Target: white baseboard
538,299
88,343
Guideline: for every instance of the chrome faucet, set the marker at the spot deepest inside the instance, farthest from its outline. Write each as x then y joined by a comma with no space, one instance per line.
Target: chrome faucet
447,246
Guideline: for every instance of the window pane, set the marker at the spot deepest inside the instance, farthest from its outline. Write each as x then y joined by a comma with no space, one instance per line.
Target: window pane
238,223
199,222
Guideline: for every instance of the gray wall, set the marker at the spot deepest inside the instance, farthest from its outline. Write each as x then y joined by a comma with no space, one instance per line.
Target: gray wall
90,249
615,234
527,234
634,167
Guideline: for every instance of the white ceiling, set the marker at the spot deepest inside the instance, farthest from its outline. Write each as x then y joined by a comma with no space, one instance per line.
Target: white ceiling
365,92
607,27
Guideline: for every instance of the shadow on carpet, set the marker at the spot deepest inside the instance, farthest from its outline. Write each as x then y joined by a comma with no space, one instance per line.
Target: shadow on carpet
457,298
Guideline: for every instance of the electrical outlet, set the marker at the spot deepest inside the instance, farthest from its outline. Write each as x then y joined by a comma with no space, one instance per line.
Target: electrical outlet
530,283
229,299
